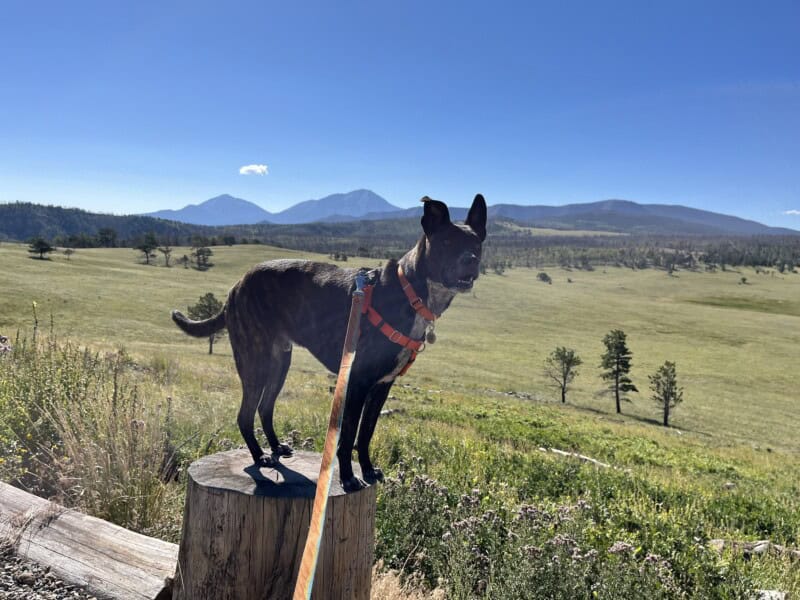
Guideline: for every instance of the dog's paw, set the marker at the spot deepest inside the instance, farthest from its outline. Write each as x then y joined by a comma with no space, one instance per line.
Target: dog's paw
372,475
283,450
353,484
267,460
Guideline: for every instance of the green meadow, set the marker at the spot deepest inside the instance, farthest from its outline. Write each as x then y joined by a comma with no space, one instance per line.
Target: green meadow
475,411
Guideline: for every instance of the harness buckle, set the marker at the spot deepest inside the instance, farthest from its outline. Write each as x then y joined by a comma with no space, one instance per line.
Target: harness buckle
395,336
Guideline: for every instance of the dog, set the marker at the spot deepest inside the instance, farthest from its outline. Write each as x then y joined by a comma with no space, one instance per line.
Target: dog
279,303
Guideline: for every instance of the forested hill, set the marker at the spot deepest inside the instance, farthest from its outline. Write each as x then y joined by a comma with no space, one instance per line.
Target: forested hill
22,221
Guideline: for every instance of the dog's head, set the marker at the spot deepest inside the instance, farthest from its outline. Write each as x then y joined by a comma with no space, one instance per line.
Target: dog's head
453,250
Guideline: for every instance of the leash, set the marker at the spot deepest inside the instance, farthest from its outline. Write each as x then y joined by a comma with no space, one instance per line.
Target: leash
361,304
308,565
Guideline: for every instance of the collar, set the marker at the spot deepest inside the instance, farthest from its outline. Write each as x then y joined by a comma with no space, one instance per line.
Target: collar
416,302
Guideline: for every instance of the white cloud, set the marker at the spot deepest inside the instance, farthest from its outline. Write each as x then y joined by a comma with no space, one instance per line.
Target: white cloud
254,170
791,212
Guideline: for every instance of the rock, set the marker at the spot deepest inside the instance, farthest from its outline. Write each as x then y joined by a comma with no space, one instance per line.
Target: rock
728,485
718,545
25,578
760,547
771,595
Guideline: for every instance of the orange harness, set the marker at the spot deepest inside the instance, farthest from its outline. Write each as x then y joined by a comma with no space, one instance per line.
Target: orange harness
416,346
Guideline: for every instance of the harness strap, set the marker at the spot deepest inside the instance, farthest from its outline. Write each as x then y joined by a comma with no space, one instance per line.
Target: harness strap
416,302
374,317
390,332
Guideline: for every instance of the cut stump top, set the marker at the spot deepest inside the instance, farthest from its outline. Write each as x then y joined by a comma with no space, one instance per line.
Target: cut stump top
294,477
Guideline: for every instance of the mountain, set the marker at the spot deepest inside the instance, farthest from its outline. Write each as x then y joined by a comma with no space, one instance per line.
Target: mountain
220,210
227,210
631,217
621,216
21,221
336,207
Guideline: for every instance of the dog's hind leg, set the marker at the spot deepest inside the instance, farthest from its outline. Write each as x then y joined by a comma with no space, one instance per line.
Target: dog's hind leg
251,394
279,367
369,418
262,368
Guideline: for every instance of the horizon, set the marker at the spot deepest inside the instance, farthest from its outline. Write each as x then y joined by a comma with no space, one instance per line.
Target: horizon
134,109
451,206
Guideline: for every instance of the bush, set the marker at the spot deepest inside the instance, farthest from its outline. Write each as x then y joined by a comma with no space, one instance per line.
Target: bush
77,427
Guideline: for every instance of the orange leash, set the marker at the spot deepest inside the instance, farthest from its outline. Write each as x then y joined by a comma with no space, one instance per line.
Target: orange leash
308,565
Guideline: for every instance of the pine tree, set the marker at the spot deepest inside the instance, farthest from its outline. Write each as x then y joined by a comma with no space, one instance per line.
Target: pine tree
147,247
666,393
208,306
40,246
617,364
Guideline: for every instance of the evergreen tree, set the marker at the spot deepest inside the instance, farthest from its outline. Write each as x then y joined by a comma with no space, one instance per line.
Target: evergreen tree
40,246
201,256
147,247
208,306
666,393
616,363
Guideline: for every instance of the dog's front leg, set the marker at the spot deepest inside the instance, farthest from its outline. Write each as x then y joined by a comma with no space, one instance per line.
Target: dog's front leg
354,403
369,418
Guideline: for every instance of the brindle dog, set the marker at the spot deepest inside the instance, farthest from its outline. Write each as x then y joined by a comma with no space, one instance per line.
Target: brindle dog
283,302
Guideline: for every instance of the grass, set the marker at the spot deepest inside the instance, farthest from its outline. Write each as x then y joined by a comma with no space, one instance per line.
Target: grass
476,408
549,232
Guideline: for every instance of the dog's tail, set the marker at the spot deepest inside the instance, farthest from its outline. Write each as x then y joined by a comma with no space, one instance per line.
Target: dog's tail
199,328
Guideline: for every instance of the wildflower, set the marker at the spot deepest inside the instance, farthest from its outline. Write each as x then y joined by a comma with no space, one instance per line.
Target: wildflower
620,548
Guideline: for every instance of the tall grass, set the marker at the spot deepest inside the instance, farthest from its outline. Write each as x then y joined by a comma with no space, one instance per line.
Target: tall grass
77,426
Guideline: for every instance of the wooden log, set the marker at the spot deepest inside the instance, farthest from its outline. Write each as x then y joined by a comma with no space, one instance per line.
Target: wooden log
112,562
244,530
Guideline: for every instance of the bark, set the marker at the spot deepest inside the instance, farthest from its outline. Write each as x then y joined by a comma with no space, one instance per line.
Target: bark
244,530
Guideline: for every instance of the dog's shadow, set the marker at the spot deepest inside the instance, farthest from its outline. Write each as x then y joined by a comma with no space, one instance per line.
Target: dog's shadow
281,482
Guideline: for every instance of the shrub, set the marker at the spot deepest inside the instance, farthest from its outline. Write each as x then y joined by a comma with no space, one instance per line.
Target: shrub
76,426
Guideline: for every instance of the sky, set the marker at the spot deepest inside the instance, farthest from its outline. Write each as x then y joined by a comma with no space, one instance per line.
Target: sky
130,107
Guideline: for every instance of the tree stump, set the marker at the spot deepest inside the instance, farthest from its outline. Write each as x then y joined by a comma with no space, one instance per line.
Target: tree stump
244,529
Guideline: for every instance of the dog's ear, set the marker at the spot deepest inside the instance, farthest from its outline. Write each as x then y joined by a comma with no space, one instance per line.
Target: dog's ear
435,216
476,218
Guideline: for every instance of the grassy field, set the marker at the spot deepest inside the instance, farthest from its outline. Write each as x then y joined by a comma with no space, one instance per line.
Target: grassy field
476,407
735,345
548,232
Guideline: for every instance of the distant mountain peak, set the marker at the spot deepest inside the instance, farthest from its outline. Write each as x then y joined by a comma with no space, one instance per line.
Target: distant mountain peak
363,204
219,210
354,205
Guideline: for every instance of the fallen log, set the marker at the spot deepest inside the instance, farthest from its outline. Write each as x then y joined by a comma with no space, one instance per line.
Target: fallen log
580,457
108,560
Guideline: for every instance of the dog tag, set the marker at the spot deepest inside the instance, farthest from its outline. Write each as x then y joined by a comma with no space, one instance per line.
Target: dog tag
430,335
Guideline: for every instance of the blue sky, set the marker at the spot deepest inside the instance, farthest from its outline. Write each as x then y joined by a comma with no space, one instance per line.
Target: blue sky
132,107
